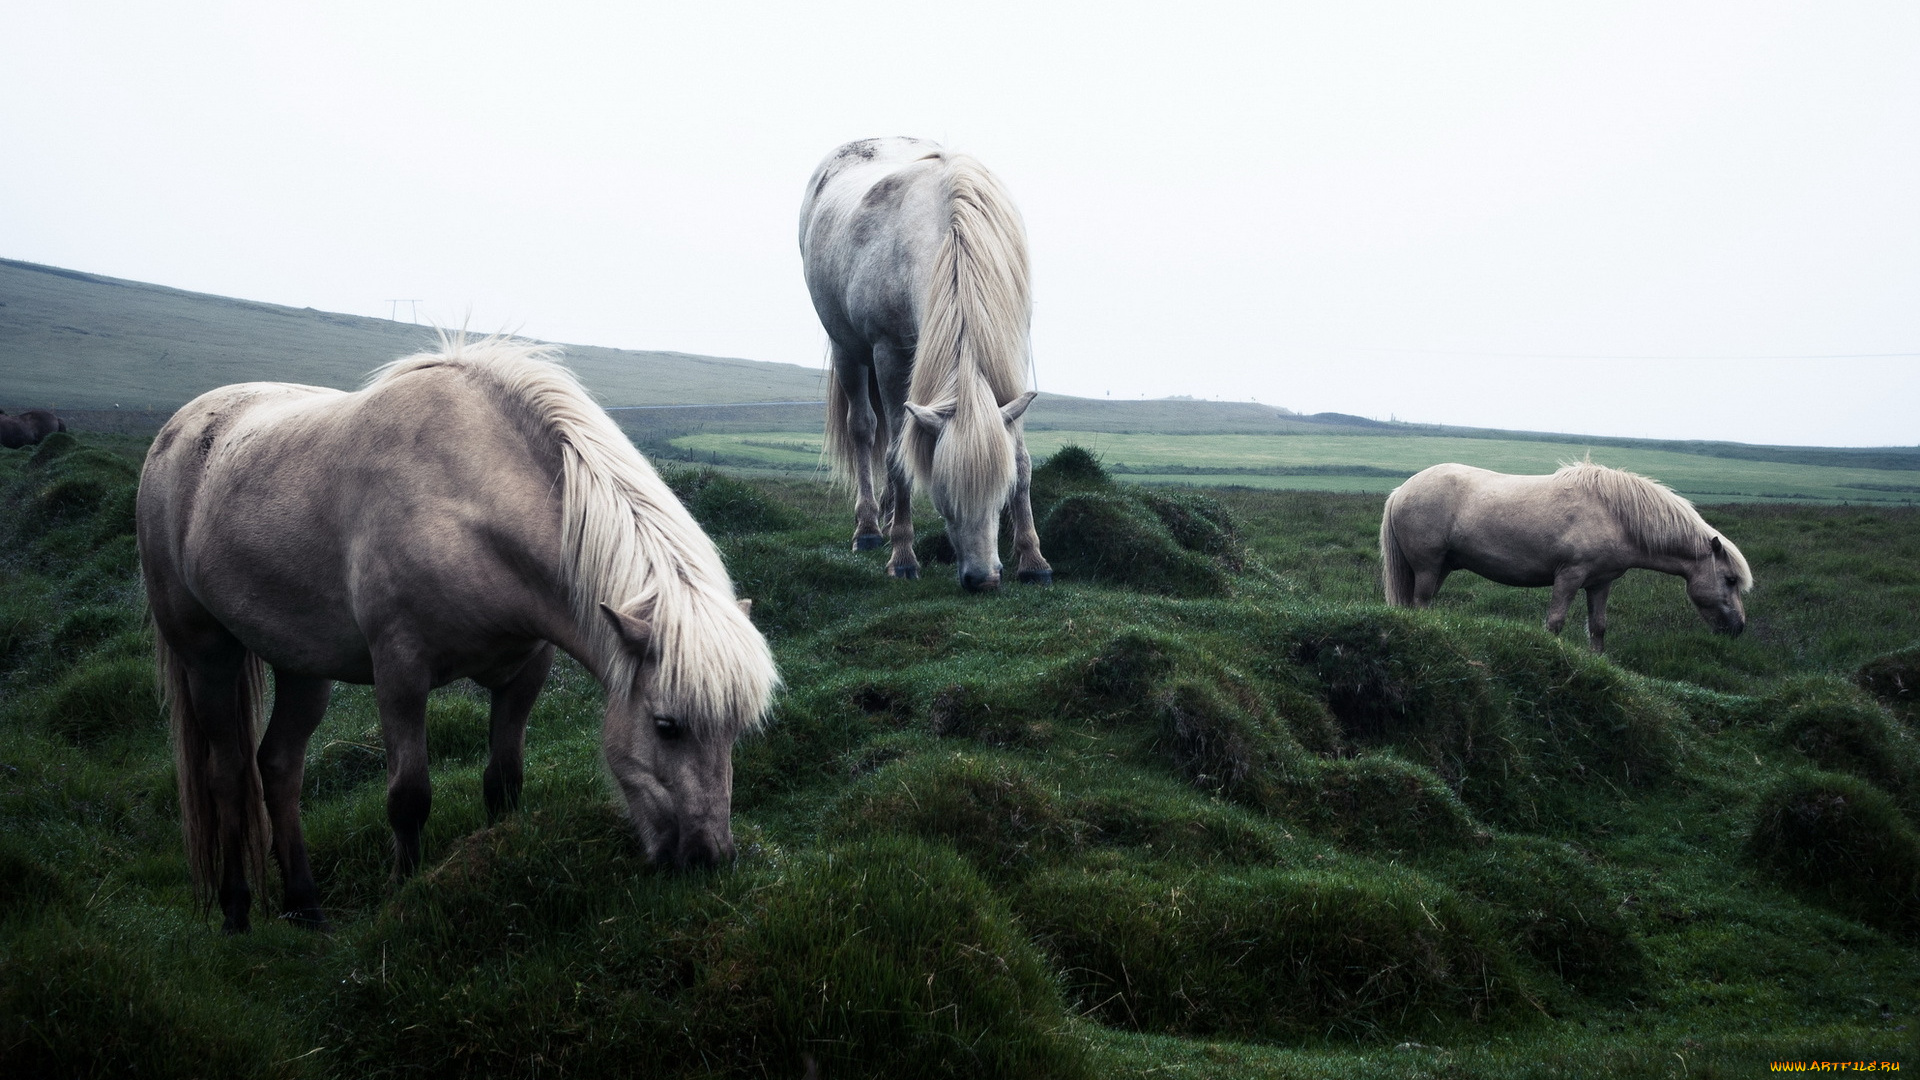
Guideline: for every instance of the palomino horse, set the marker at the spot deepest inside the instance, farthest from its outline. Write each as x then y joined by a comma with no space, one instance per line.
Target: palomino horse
1580,528
28,428
458,518
917,263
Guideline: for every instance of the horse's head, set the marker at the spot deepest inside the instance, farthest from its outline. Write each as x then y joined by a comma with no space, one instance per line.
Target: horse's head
1715,584
674,762
969,475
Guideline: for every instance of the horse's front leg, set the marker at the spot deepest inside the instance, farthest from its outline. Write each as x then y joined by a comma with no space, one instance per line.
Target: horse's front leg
299,703
1032,566
400,687
904,563
893,368
1597,615
507,736
1565,583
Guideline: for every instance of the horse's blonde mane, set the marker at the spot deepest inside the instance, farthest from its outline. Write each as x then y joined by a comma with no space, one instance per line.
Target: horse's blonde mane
972,353
1656,517
627,538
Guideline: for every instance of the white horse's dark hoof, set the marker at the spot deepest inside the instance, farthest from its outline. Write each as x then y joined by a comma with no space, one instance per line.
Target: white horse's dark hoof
869,541
907,573
1036,577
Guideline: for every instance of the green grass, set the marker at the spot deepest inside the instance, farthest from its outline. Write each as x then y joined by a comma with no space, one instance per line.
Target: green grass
1205,810
1377,463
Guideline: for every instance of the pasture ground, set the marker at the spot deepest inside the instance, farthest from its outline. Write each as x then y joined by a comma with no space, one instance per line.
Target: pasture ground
1377,463
1204,808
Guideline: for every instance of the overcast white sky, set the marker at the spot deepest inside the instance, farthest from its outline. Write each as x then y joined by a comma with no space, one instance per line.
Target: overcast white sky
1610,218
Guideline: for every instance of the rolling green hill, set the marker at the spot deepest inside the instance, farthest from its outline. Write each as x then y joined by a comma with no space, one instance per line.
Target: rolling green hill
72,340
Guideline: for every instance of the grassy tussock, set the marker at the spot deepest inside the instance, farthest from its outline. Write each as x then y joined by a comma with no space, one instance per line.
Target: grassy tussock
1844,844
1270,954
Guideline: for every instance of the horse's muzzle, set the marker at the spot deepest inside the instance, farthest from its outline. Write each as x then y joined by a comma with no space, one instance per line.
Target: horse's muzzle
700,851
973,581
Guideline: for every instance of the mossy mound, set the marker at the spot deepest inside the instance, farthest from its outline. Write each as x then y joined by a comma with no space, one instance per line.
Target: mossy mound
1222,738
1843,844
25,881
86,627
1493,709
1176,544
1071,468
72,1004
1554,907
891,955
992,809
548,939
1110,538
99,699
1380,802
1895,679
793,586
1268,954
724,506
1199,523
1839,730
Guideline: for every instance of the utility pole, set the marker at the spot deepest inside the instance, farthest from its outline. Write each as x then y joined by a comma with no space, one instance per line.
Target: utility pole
414,307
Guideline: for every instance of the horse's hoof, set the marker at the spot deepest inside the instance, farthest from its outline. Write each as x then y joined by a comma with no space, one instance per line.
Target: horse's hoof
906,573
1036,577
869,541
309,919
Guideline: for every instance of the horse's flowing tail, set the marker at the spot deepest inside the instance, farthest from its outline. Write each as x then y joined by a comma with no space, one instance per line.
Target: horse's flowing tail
972,352
1396,574
193,752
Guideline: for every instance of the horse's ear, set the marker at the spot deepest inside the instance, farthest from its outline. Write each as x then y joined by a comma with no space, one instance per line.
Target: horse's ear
634,629
1013,410
933,421
1717,546
746,607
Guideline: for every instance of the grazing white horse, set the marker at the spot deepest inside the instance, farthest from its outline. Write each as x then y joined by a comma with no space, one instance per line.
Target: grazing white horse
1579,528
460,517
917,263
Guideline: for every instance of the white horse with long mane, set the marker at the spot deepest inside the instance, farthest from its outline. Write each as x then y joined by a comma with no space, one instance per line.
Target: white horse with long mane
1579,528
459,517
917,263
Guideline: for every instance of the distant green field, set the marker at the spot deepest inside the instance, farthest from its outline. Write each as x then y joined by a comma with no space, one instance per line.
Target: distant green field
1283,462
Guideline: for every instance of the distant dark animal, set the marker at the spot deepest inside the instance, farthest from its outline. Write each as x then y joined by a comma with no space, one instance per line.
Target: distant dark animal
458,518
917,263
1580,528
28,428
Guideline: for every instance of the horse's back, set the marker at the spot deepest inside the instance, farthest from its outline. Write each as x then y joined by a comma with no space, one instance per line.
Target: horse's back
871,225
1514,529
307,521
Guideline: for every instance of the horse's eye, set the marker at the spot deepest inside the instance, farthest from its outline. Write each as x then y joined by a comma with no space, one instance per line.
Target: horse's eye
667,727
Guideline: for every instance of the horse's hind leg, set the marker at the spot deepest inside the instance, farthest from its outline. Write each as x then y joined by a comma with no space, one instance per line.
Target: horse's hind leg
854,371
1426,585
512,702
400,686
1032,566
299,703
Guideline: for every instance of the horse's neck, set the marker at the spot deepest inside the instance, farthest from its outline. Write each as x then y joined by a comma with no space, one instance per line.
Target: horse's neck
1666,562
